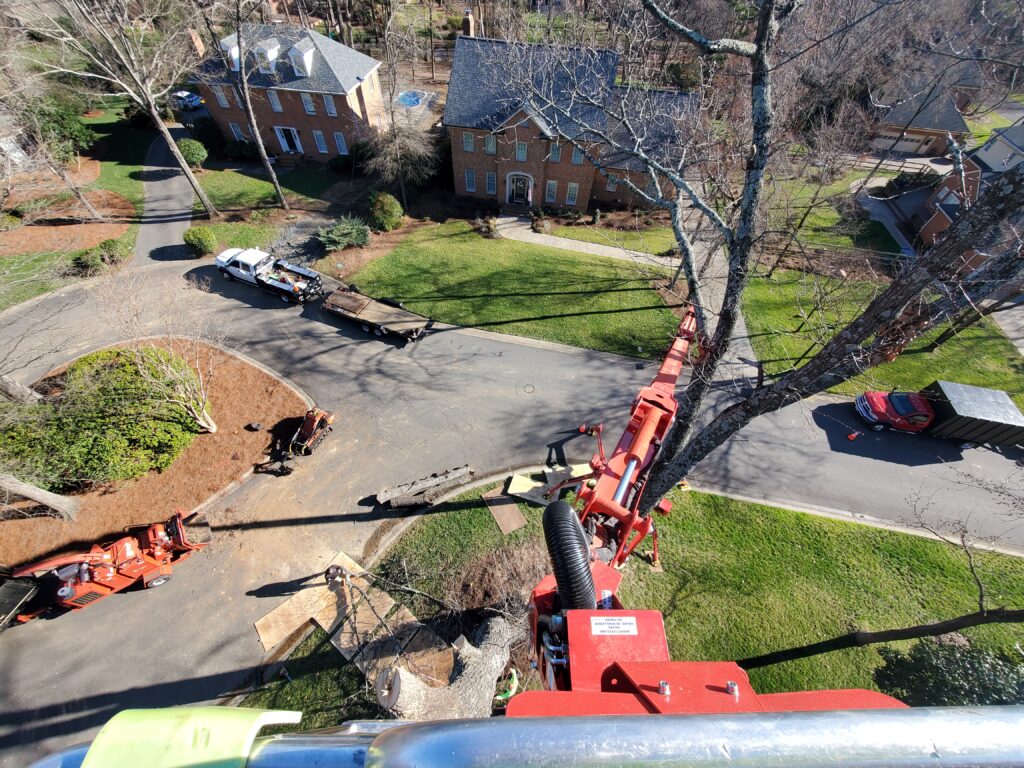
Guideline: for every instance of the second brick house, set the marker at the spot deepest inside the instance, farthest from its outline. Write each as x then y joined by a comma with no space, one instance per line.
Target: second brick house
506,150
312,96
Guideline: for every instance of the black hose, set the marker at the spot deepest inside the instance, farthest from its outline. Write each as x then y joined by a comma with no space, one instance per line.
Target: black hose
570,556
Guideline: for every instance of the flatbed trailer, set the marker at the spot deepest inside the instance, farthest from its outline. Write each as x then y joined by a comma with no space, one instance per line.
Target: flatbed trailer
381,317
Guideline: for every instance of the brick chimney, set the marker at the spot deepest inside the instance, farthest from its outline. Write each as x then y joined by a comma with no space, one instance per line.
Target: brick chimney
467,23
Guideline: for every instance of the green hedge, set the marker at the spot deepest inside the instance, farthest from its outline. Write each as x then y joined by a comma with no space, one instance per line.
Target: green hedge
106,426
349,231
385,212
201,240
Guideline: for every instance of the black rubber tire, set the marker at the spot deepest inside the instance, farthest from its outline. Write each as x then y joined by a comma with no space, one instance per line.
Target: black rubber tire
159,581
878,427
226,275
570,556
285,299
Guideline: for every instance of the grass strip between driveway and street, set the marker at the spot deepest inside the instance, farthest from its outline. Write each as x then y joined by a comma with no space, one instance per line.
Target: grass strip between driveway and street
776,309
452,274
739,579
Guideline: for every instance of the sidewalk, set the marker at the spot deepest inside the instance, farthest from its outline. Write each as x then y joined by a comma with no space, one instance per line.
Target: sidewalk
1011,322
880,212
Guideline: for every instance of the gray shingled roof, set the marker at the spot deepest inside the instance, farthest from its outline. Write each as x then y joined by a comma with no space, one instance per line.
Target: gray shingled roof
336,67
929,109
660,129
486,89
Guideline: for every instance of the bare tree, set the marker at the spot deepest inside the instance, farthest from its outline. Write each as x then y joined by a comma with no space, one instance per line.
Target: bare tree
140,49
686,151
241,12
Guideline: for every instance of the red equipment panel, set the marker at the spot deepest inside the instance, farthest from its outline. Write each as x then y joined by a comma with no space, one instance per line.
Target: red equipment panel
599,639
693,686
805,701
574,704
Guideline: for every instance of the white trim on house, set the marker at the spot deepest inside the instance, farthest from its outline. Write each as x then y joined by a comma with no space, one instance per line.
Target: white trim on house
275,100
490,144
551,191
340,143
508,186
332,111
577,156
555,153
467,142
237,132
525,153
612,184
320,141
222,99
279,131
307,102
470,179
572,193
492,183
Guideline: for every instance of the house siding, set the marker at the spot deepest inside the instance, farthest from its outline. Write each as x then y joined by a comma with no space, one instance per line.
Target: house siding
916,141
360,114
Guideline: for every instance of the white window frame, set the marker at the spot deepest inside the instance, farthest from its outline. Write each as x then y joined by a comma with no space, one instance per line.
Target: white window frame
467,142
222,99
492,183
470,179
577,156
279,131
238,96
332,111
340,143
572,193
275,100
237,132
612,184
307,102
490,144
525,151
320,141
555,155
551,191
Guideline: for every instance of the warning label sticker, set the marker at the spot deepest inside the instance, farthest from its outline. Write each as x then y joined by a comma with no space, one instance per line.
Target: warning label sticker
613,625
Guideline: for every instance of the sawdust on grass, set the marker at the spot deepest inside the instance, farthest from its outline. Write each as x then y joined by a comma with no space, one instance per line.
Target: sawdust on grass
239,394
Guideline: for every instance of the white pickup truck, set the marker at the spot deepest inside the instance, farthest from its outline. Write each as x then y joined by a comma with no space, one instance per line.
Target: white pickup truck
251,265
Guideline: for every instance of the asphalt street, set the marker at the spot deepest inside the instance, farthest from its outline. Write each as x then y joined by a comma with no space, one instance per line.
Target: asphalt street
455,397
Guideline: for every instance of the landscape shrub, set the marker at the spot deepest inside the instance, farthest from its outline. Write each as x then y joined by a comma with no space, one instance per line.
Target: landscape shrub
937,674
358,153
139,118
87,263
106,426
385,212
349,231
193,151
241,150
200,240
65,134
208,134
114,251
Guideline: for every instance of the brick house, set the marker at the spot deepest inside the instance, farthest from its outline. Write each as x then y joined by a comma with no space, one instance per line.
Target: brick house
507,151
1003,150
312,96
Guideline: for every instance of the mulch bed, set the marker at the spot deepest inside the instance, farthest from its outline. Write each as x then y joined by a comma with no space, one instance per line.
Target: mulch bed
239,394
65,230
354,259
42,183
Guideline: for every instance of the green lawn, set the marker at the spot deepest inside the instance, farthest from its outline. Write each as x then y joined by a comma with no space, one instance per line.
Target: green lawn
825,225
26,276
242,235
231,190
450,273
774,309
739,580
981,126
651,240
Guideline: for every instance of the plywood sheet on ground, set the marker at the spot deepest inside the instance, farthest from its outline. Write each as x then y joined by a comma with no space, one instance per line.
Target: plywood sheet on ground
504,510
524,487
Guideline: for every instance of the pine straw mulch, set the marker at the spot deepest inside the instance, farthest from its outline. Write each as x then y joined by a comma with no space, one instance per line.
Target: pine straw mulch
239,394
67,228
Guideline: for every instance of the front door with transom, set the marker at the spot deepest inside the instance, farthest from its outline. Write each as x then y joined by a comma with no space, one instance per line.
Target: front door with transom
288,138
518,191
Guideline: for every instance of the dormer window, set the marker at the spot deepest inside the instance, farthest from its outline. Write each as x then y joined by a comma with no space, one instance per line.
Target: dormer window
231,52
301,57
267,52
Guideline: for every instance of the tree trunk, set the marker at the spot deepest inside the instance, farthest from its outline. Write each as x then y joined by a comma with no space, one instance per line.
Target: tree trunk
471,695
250,116
76,190
172,145
18,392
858,639
65,506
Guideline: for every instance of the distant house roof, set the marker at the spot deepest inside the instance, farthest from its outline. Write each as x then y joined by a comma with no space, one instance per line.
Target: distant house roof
485,89
336,68
1013,134
929,109
489,86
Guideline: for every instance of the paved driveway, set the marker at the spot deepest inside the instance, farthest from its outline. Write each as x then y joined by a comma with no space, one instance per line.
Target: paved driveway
455,397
